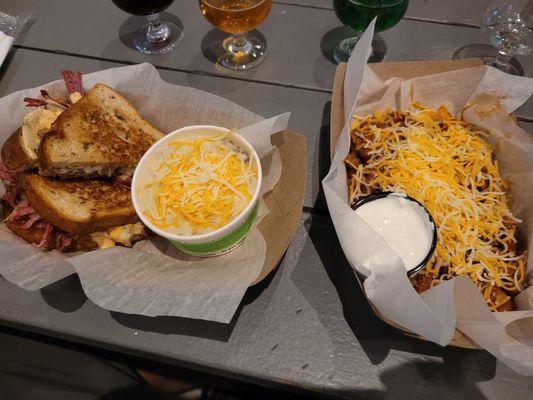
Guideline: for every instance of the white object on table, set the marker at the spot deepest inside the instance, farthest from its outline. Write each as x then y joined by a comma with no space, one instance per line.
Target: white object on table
6,42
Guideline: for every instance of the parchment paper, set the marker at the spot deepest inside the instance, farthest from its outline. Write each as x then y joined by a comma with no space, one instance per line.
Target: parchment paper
434,314
153,278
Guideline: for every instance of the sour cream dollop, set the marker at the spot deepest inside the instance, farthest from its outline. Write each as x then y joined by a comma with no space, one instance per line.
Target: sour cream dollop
403,224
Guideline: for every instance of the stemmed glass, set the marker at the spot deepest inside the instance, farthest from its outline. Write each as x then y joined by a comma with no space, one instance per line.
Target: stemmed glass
240,51
357,15
157,36
507,24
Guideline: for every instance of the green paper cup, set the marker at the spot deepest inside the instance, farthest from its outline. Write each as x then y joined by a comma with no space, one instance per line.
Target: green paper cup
208,244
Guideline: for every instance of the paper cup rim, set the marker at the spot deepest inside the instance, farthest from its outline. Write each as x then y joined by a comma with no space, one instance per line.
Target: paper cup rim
209,236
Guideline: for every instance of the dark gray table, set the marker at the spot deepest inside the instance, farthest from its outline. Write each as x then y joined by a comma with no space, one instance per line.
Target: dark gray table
308,325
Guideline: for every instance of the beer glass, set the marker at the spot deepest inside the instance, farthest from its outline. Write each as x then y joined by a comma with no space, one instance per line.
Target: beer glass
237,17
357,15
157,36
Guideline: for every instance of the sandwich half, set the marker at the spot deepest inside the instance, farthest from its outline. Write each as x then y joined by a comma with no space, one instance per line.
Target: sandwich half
67,169
69,215
101,134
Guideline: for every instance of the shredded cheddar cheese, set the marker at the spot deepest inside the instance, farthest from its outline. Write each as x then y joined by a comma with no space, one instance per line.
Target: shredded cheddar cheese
201,185
444,163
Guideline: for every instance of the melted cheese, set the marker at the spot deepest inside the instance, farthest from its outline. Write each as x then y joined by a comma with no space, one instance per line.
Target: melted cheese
124,235
201,185
74,97
34,125
443,163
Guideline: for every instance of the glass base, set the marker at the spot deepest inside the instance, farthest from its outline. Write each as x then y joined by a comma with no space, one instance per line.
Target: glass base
489,56
242,53
344,49
171,38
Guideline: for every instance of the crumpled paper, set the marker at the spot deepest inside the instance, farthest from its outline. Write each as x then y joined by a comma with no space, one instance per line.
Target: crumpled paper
436,313
153,278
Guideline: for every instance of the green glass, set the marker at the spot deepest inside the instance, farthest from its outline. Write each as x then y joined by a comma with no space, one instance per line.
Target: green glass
357,15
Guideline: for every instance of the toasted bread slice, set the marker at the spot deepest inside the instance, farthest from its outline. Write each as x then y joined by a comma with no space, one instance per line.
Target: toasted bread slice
79,206
15,155
100,135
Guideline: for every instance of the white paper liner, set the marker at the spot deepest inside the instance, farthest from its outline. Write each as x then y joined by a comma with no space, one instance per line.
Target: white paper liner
153,278
435,313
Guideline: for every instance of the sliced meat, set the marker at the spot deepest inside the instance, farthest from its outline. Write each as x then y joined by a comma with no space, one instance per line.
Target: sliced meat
33,102
13,192
22,209
61,103
65,241
421,282
47,236
7,174
124,180
73,81
32,219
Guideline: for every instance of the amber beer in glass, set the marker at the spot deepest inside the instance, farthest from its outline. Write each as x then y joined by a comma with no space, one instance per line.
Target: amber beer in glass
238,17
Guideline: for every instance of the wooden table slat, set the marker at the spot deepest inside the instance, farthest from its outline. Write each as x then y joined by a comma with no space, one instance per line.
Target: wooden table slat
300,41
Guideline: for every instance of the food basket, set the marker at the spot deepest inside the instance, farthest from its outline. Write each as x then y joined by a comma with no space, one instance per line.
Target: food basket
385,71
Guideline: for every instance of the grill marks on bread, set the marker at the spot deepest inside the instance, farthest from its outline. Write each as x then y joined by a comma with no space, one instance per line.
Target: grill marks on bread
101,131
79,206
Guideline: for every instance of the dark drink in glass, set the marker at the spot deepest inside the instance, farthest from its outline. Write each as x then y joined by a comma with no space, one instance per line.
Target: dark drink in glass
143,7
157,36
357,15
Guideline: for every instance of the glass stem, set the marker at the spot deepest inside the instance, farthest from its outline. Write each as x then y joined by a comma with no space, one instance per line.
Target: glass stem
239,44
503,58
157,30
